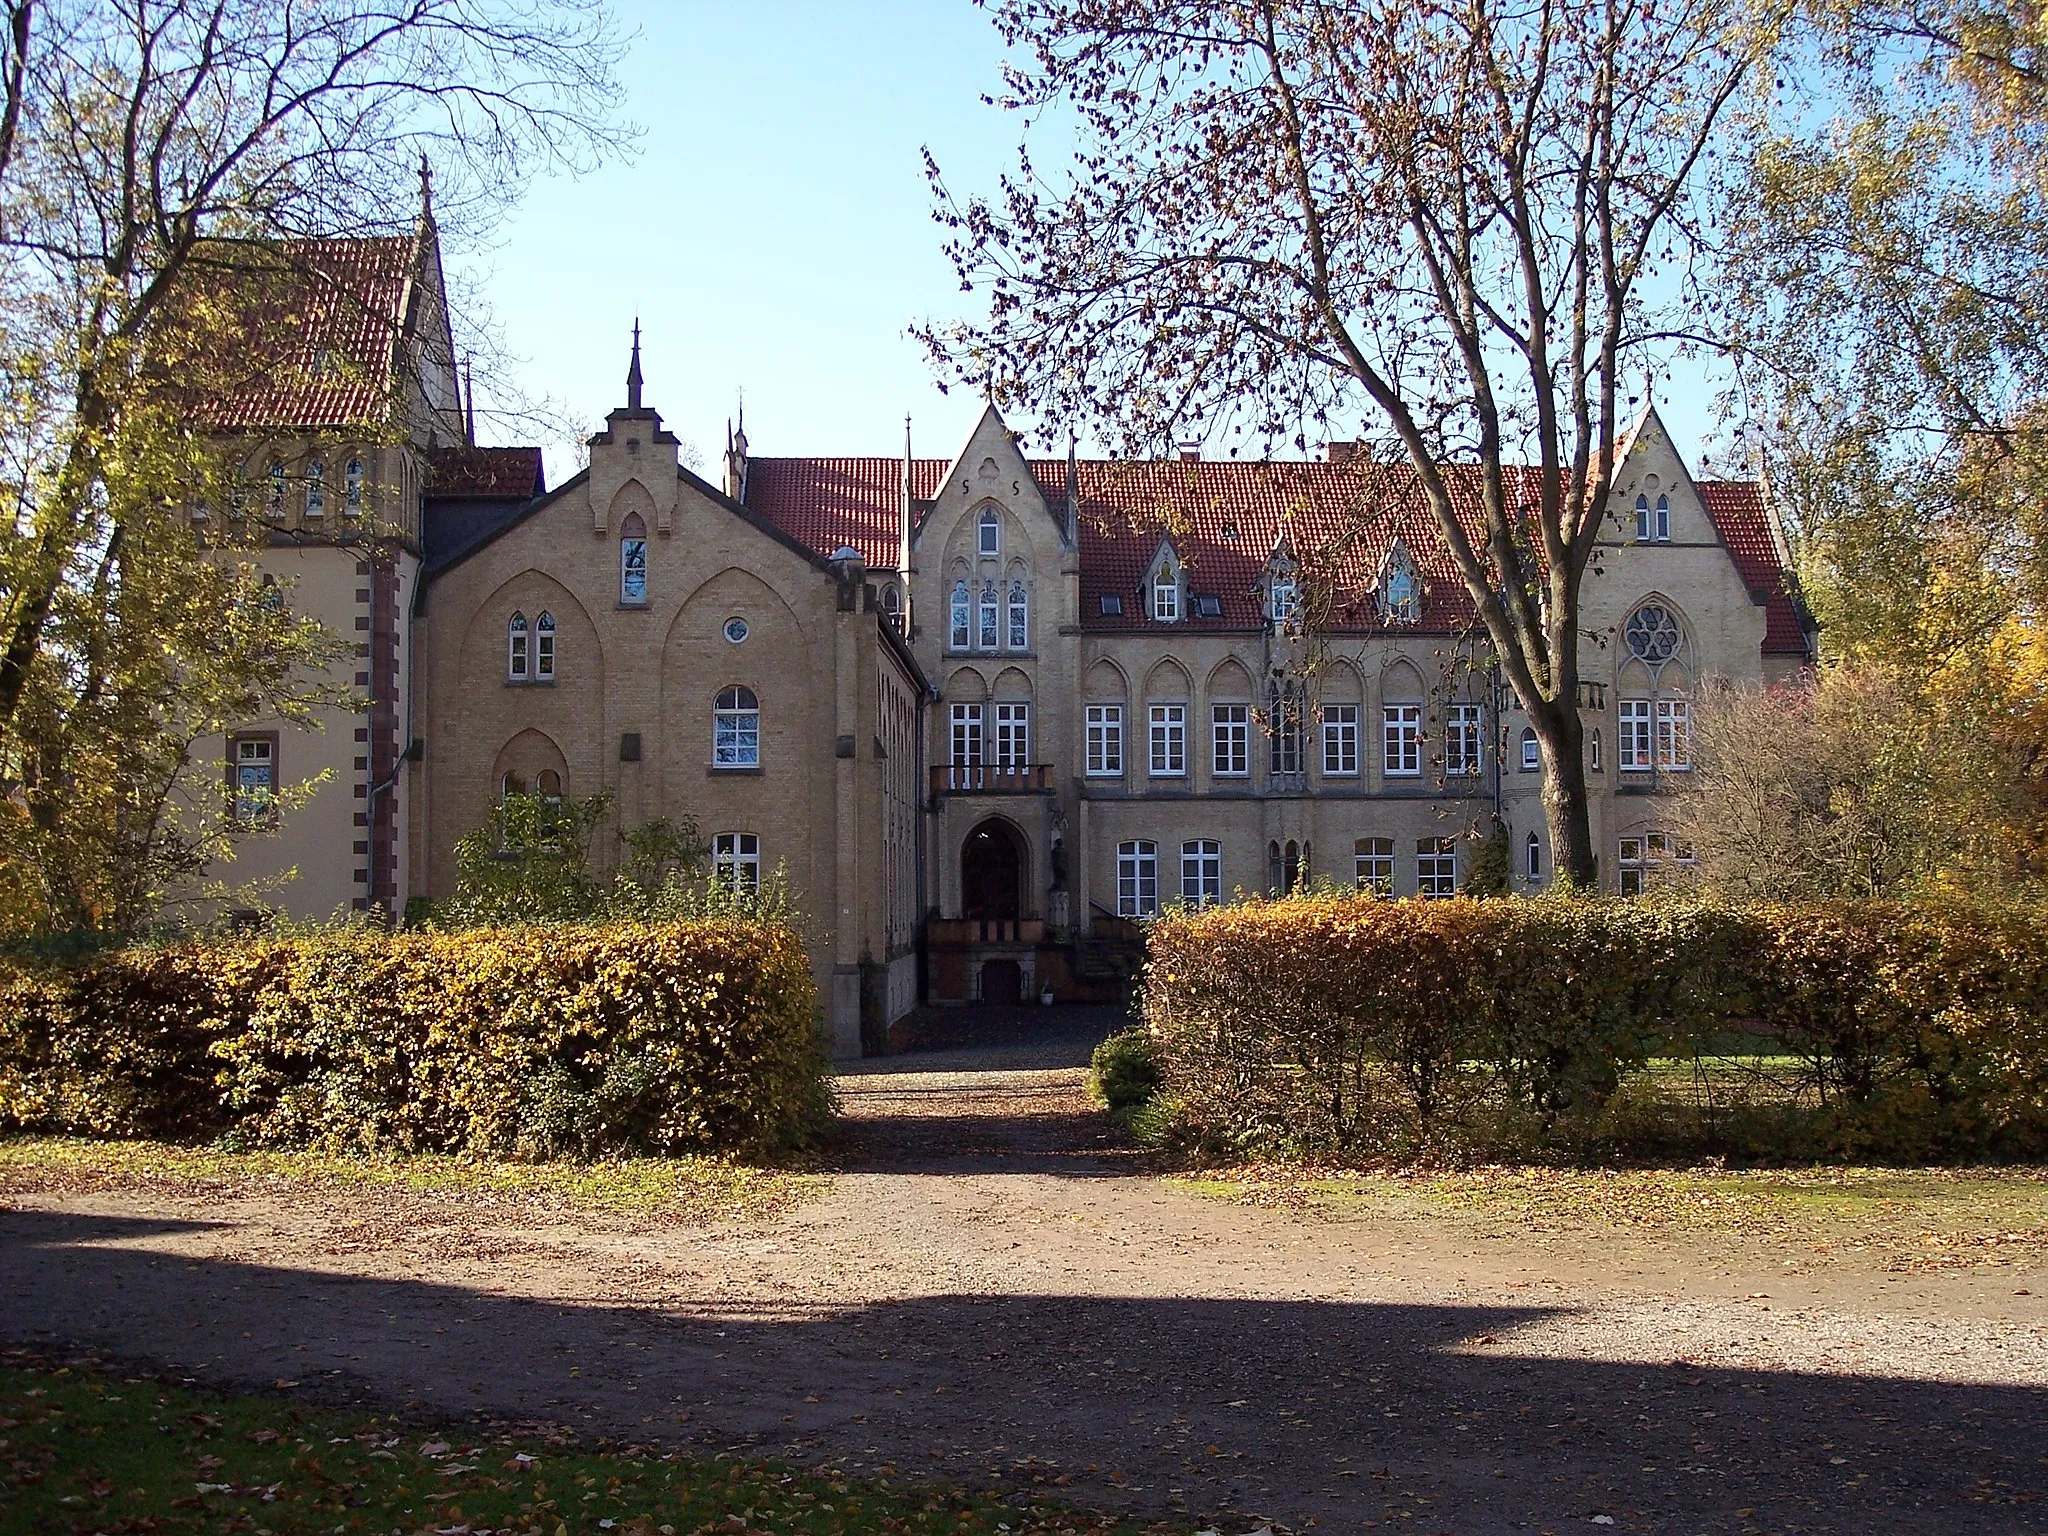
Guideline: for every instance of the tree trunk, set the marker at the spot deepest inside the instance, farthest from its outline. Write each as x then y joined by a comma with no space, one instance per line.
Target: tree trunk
1560,739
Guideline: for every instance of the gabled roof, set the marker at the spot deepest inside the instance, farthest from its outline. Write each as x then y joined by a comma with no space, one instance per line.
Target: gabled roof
322,321
1225,519
1745,525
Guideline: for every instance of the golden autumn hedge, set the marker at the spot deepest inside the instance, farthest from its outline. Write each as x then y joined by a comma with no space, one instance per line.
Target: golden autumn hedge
526,1042
1341,1025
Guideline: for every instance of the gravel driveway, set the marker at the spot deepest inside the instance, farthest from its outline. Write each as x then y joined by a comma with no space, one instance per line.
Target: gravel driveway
996,1286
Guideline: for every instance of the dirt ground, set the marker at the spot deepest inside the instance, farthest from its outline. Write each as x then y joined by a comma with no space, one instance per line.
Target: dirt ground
994,1285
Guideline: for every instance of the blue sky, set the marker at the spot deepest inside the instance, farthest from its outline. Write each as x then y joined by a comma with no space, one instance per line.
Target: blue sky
774,233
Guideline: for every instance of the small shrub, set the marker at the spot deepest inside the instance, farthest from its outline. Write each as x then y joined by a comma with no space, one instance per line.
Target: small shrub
1124,1071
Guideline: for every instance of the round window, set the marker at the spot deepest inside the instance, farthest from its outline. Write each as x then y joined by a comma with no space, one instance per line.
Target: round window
1652,633
735,630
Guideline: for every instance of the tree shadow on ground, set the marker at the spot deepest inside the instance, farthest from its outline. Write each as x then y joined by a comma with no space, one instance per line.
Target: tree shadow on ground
1348,1414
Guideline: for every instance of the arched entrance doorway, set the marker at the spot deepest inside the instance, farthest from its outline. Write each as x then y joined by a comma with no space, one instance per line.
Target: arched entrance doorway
992,872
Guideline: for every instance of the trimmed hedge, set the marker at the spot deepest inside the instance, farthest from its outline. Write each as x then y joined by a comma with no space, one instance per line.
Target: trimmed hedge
525,1042
1340,1025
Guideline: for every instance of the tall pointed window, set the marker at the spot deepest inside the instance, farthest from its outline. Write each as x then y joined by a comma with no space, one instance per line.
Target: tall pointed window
316,489
518,655
985,631
959,632
1642,519
1663,519
1020,618
352,489
544,648
988,534
736,729
633,562
1532,864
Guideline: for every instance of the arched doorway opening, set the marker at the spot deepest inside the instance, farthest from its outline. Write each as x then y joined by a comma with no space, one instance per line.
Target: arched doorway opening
992,872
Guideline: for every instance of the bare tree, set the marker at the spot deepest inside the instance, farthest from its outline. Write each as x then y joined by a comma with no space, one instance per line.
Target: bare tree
1472,218
142,140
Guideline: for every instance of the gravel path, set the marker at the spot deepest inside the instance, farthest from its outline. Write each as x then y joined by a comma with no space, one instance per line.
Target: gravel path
996,1285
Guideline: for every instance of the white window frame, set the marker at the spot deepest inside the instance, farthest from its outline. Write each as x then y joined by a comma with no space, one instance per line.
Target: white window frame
1230,741
1166,594
961,633
988,615
1285,597
1167,739
518,650
1464,741
966,735
1018,618
1436,867
1642,518
1105,746
1663,519
544,648
1013,734
736,728
1674,735
1531,750
255,781
1201,872
1634,754
1340,741
1401,741
988,534
736,861
1137,878
1372,861
633,571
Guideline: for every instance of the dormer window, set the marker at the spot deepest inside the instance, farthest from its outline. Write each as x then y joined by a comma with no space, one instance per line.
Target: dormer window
989,534
1166,592
1112,605
1399,594
1205,605
1285,596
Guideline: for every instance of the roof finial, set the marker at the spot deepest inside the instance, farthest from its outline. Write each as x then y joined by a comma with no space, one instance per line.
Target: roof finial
633,371
426,187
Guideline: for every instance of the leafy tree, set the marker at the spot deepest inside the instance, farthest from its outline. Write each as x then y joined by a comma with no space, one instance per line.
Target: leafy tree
155,155
531,862
1838,785
1888,259
1475,220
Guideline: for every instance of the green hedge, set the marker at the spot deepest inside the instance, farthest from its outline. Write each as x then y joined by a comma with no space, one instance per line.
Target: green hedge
526,1042
1354,1026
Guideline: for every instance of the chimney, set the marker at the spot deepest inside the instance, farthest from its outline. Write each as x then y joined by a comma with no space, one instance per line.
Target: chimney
1191,453
1340,450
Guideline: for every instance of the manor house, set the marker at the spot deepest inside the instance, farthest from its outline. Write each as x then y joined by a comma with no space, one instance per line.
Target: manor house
986,710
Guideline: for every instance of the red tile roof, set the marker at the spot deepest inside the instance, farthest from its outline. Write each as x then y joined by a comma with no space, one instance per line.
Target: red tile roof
1744,523
1224,519
323,319
825,504
497,474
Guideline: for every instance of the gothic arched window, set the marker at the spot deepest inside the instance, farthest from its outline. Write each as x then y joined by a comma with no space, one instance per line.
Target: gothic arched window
1642,519
960,631
1532,865
736,729
316,489
517,654
985,635
1020,618
277,488
633,561
544,648
352,489
988,534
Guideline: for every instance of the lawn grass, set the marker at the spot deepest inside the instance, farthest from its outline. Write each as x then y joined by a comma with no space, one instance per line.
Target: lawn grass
86,1449
687,1188
1927,1218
